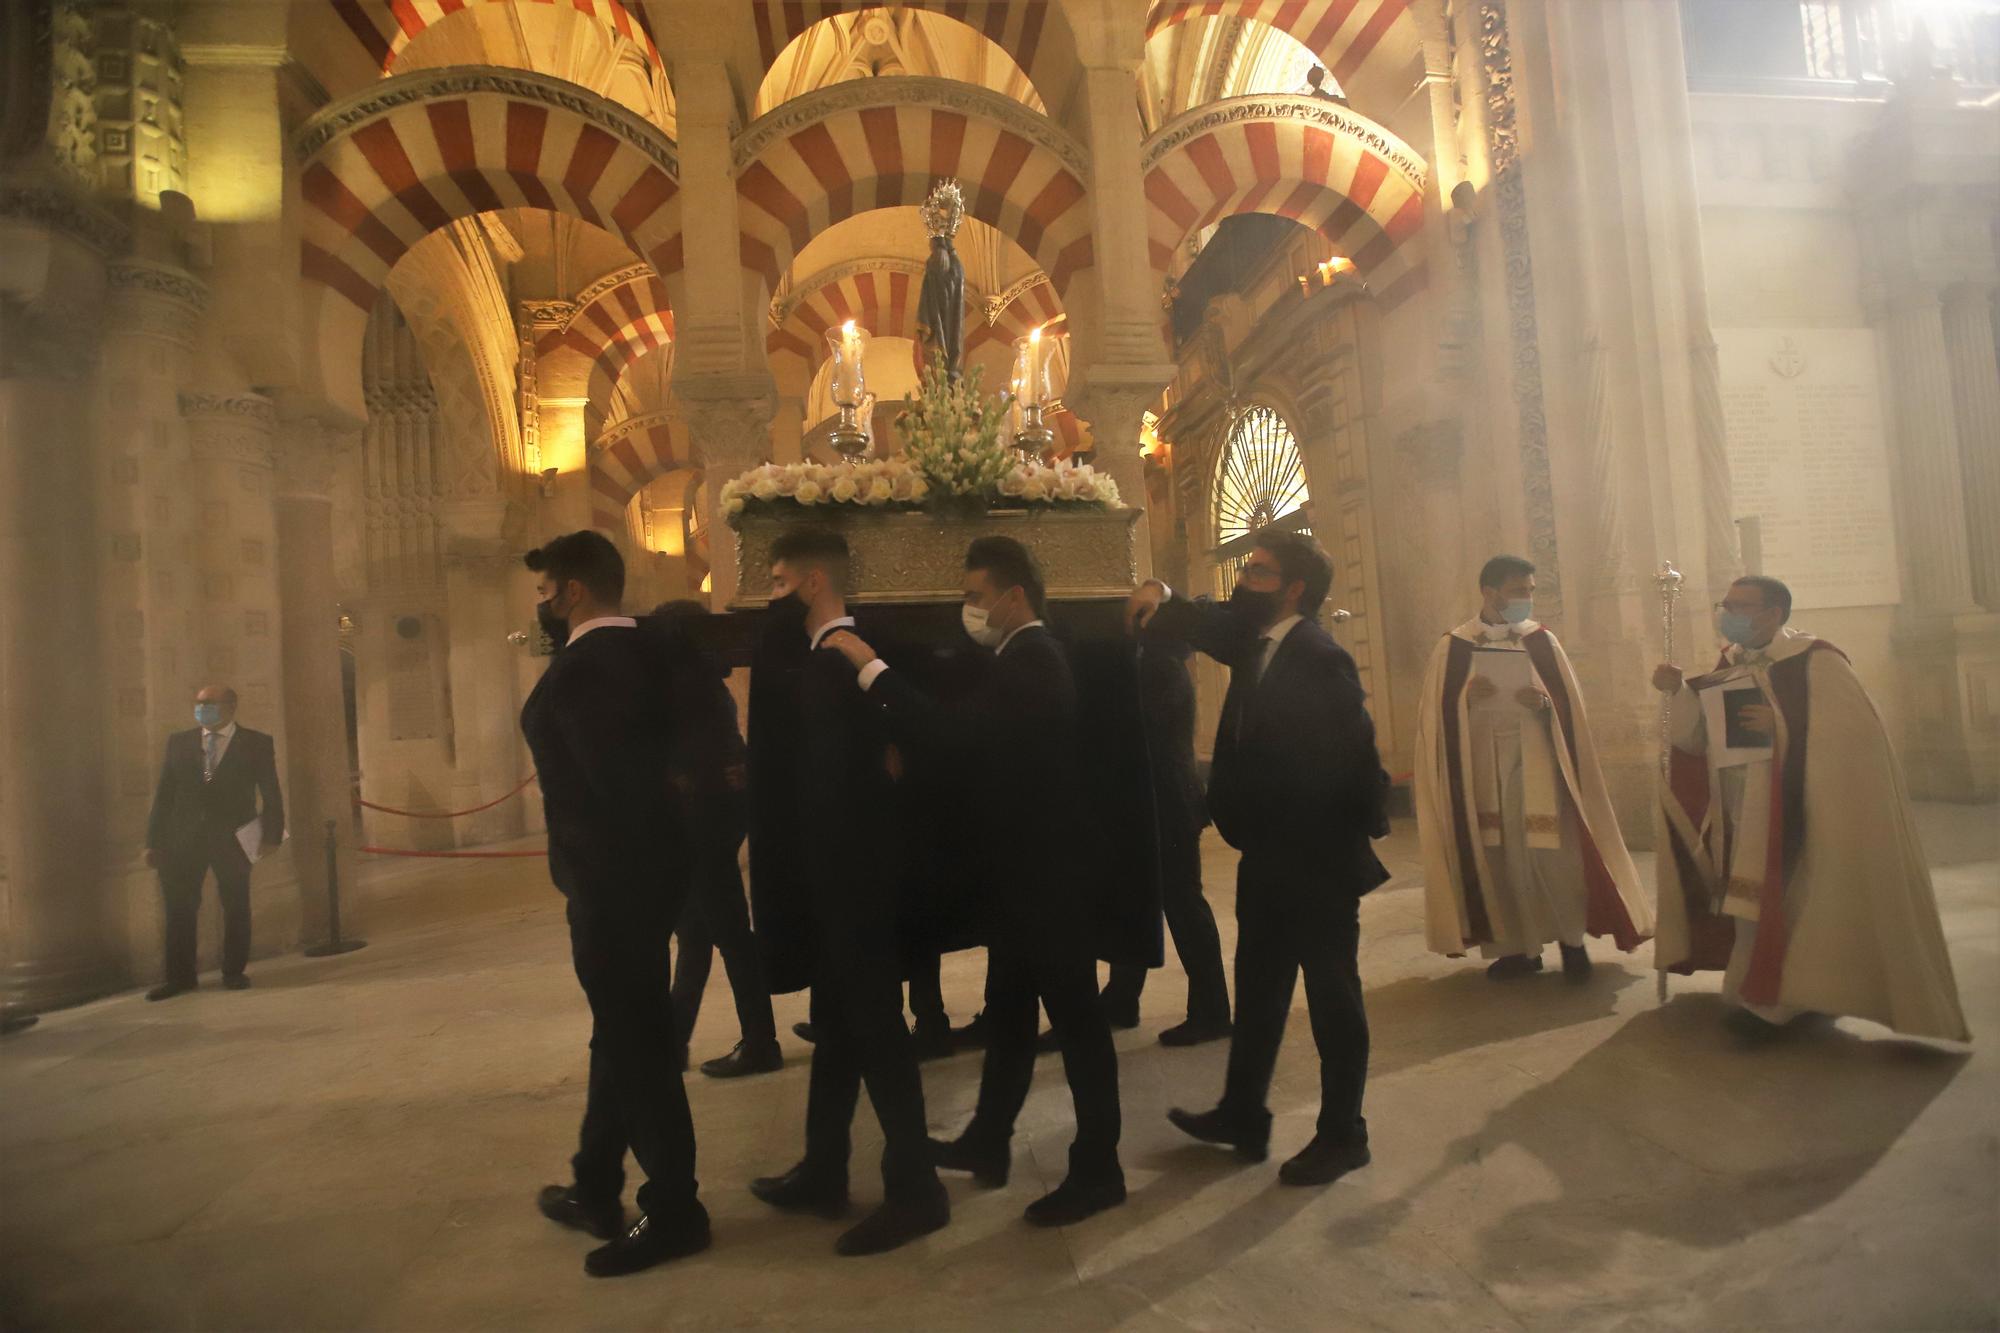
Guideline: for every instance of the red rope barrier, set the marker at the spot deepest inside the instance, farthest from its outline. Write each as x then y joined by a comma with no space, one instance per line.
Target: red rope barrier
445,814
454,856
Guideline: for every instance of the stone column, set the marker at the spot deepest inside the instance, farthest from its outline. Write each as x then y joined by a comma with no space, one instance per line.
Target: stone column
1928,475
1975,391
729,424
149,588
58,945
315,760
485,703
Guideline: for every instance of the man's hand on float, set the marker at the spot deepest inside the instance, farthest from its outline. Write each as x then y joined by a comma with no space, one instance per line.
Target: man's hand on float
857,652
1142,604
1666,678
1532,697
1479,689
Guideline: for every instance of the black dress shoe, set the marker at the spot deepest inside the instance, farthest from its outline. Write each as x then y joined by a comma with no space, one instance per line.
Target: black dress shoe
1074,1200
1322,1162
804,1032
235,981
602,1218
1196,1031
803,1191
989,1166
1252,1142
745,1059
166,990
896,1223
1576,963
1514,965
649,1243
972,1036
934,1041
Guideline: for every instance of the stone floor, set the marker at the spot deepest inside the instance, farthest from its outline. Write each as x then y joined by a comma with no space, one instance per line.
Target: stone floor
355,1143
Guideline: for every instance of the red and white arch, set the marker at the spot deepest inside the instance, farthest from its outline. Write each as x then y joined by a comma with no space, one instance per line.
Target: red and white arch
385,27
1373,48
881,299
1298,157
1035,33
384,169
882,143
616,323
627,456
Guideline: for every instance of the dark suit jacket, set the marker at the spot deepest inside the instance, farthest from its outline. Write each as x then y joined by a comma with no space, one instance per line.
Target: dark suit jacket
1167,697
1012,744
601,724
825,844
1295,780
190,813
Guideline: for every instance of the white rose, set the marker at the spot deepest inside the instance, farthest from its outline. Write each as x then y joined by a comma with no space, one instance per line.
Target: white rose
733,505
1034,490
764,489
807,492
1107,491
843,490
1014,482
906,486
880,491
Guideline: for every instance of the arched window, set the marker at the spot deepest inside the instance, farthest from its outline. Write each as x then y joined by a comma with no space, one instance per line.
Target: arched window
1260,482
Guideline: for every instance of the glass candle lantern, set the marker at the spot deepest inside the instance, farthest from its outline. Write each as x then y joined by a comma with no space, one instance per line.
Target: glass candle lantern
848,345
1032,438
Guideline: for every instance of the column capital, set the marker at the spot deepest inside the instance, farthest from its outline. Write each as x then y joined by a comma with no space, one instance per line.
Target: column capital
729,419
226,427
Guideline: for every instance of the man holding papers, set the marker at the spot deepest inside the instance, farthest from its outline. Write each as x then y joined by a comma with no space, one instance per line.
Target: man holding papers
1788,853
1520,843
206,817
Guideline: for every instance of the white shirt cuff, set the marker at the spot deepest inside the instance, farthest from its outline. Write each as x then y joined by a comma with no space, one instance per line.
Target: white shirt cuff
870,672
1165,589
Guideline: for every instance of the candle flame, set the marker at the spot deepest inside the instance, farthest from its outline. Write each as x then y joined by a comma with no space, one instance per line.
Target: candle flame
847,329
1035,334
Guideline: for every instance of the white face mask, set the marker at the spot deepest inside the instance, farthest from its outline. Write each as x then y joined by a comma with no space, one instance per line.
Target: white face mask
976,628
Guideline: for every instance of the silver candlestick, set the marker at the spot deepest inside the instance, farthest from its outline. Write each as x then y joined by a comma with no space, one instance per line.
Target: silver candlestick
1668,580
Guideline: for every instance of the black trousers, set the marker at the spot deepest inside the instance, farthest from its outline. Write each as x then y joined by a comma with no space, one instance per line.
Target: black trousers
859,1038
927,992
635,1099
1288,922
717,918
1020,981
181,876
1192,924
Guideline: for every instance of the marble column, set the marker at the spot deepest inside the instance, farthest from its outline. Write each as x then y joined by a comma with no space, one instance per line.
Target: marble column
1114,401
315,757
1975,391
729,424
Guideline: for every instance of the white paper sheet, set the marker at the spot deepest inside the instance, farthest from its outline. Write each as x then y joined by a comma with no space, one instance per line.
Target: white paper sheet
1510,672
251,839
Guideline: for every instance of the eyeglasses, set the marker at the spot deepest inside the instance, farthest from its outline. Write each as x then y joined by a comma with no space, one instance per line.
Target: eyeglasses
1725,607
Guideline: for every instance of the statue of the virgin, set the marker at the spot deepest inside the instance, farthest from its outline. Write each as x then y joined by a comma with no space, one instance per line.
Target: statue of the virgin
941,302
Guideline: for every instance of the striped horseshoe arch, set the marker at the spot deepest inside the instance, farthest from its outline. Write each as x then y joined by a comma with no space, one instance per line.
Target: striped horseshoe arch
385,27
1034,32
1299,157
1373,48
881,297
1032,306
384,169
618,319
629,455
880,143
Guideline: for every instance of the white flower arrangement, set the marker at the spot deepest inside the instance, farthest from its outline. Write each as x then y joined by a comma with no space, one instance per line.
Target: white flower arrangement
870,483
953,455
1063,482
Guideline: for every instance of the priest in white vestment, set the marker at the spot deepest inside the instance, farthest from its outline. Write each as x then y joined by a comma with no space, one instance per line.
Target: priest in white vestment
1788,853
1521,848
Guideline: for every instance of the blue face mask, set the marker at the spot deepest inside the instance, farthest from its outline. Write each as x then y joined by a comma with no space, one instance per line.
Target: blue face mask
1735,627
208,715
1519,610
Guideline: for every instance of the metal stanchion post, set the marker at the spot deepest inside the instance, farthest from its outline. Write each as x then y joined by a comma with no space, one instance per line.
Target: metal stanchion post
1668,581
334,943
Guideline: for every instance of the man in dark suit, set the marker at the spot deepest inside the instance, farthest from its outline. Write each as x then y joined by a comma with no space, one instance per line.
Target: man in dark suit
826,875
1014,742
1167,695
1296,787
205,817
717,917
605,724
